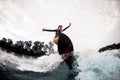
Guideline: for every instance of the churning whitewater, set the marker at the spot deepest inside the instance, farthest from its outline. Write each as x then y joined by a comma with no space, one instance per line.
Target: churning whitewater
91,65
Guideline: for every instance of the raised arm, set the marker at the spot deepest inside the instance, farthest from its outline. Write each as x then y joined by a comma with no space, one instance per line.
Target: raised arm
67,27
48,30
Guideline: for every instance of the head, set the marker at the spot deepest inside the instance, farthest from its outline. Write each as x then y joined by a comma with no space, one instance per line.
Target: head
60,27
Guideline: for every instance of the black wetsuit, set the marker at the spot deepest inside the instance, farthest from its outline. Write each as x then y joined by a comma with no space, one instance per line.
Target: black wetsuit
58,32
70,60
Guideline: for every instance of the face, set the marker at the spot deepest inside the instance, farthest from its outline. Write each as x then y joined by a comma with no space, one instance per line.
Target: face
60,27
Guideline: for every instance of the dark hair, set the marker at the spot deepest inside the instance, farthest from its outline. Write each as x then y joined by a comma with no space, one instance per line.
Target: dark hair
59,26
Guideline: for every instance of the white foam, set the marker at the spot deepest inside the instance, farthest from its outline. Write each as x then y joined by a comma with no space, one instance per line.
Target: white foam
93,65
40,64
99,66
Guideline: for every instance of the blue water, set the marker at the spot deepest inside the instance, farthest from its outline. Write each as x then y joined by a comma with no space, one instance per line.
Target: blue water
15,74
23,68
91,66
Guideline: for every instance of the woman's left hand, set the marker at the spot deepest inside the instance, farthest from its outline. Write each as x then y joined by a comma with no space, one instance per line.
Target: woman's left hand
64,56
70,24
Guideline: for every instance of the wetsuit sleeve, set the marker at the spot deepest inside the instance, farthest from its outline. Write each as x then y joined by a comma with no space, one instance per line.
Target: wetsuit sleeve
66,28
50,30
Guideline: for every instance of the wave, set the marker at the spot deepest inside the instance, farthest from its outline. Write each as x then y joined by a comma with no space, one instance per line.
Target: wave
92,65
23,68
99,66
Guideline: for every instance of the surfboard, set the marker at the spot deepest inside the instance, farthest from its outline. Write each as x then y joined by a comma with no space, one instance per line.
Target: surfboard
65,46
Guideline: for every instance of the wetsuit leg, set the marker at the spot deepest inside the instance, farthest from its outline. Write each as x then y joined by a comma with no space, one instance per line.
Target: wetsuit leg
70,62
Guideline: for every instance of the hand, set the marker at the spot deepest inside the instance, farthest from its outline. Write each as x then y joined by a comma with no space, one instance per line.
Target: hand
70,24
43,29
64,56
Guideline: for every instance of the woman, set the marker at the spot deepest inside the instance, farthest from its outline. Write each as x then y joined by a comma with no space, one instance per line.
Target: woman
67,54
58,31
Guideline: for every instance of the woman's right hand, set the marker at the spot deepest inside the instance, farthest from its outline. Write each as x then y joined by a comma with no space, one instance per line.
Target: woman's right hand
43,29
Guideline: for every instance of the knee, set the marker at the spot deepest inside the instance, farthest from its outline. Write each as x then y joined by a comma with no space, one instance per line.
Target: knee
55,40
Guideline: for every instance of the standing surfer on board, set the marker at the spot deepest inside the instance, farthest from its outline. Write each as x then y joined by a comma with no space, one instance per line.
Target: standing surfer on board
65,47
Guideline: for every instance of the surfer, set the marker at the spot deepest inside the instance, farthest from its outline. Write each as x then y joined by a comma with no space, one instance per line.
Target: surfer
65,47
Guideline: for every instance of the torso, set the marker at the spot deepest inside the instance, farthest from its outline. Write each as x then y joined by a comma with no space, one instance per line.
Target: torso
58,32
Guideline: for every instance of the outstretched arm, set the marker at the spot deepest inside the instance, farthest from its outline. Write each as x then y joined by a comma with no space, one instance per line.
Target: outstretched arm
67,27
48,30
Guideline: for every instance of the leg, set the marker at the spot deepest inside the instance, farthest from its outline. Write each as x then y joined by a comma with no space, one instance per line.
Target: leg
55,40
70,62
